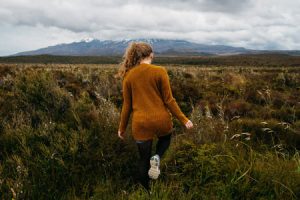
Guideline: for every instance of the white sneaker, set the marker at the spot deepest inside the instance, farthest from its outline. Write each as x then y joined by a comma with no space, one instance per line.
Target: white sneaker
154,169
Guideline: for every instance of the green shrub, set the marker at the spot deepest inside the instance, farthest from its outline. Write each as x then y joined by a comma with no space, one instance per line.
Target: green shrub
214,171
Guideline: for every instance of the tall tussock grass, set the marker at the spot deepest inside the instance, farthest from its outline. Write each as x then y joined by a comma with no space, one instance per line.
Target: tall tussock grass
58,135
52,145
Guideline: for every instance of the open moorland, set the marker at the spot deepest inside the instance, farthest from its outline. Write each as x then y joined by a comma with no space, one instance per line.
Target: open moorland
58,132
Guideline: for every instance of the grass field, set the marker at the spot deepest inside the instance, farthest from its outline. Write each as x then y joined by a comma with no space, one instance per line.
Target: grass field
58,133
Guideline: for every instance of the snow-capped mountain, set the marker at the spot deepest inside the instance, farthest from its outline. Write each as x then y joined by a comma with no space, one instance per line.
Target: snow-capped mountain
96,47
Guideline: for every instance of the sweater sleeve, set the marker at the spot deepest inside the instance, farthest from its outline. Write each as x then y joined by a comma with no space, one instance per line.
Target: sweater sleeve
168,98
127,105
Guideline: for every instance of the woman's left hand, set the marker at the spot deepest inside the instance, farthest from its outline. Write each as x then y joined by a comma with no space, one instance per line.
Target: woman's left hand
189,124
121,134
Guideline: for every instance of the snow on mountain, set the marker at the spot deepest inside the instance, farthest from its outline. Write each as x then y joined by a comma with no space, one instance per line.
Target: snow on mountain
96,47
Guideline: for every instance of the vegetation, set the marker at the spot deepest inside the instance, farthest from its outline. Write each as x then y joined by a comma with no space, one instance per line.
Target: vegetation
58,134
261,60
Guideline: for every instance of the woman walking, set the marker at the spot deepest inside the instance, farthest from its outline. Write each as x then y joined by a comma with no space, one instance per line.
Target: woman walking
147,94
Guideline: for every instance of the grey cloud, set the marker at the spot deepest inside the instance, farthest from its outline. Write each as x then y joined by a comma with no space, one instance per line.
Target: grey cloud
227,6
31,12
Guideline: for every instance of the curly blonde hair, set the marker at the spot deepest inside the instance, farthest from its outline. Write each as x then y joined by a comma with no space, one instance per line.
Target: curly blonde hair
135,52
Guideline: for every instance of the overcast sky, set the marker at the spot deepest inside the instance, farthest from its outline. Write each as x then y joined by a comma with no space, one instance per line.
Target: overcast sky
255,24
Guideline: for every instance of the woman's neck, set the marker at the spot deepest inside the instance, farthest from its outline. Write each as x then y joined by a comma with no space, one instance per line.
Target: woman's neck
146,61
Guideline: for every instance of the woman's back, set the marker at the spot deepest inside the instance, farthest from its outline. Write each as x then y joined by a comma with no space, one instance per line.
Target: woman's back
147,93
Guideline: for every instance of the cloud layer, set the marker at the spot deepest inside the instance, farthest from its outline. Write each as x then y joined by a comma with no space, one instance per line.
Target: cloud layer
255,24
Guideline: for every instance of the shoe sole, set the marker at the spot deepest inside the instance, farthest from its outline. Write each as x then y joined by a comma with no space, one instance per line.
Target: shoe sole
154,171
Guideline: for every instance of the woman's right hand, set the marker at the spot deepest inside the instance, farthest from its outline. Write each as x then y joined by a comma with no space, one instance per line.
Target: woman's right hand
121,134
189,124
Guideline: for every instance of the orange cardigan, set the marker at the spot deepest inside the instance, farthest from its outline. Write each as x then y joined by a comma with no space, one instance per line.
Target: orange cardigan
147,94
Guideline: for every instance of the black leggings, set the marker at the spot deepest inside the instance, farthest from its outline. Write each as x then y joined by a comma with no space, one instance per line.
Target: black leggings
145,149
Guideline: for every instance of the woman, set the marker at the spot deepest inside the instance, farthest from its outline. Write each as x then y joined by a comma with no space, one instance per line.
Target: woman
147,94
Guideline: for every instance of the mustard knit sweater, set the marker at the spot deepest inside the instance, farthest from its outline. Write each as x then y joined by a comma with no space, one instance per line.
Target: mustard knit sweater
147,94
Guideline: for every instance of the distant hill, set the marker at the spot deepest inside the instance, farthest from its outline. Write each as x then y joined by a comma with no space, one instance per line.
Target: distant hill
258,60
95,47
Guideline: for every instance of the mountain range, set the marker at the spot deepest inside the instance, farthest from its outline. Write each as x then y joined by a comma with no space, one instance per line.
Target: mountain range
164,47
